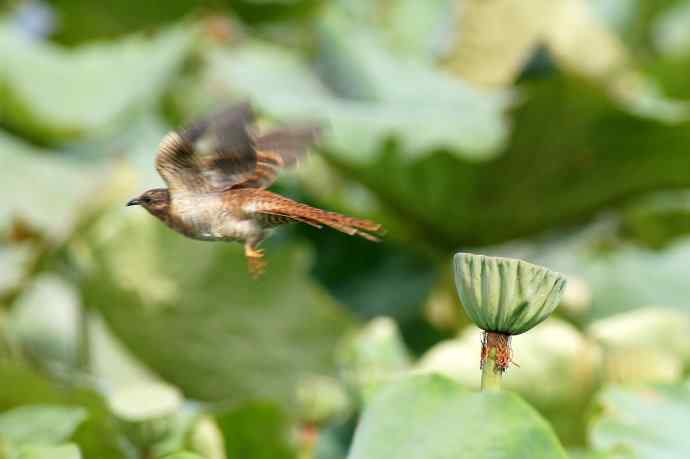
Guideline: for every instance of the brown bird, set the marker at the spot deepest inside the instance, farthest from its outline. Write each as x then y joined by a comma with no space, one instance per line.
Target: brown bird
217,171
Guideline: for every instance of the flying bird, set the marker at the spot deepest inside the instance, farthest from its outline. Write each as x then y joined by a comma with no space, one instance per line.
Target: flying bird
217,170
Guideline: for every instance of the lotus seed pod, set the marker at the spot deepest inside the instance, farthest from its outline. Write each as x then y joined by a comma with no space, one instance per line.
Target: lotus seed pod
506,296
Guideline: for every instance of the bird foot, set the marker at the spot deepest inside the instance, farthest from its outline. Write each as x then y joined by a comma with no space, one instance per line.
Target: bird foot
256,266
255,262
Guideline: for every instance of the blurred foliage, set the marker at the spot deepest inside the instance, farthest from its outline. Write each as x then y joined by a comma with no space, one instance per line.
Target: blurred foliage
95,434
142,273
53,95
445,417
558,371
555,131
258,430
645,424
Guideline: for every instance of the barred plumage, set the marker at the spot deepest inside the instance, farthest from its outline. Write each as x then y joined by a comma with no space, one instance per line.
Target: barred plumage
217,170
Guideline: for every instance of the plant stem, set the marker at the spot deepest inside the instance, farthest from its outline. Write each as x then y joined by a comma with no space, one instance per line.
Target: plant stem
496,357
491,373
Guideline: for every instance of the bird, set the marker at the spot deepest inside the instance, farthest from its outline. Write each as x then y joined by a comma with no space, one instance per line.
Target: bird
217,170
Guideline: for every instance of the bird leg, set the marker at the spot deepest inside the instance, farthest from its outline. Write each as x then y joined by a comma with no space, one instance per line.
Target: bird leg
255,261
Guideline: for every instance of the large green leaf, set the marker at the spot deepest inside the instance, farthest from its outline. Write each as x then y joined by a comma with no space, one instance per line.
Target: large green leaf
40,424
592,155
56,194
79,21
256,430
433,417
95,436
465,120
373,356
633,277
44,320
191,312
618,275
51,94
410,29
658,219
646,423
644,345
558,371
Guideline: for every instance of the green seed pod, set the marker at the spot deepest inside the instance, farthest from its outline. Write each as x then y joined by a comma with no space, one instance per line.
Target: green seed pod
504,295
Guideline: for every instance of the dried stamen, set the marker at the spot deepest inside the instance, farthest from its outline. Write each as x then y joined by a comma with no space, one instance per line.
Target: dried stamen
501,343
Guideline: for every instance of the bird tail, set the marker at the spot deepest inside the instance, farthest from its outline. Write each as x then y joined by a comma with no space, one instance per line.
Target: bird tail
296,211
349,225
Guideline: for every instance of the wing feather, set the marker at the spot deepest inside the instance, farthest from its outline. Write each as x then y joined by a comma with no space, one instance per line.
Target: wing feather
219,152
278,149
211,154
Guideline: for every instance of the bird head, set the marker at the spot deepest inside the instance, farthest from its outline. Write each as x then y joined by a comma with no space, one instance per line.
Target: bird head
156,201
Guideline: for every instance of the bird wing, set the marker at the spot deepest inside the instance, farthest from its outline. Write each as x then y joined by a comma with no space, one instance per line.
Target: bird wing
278,149
212,154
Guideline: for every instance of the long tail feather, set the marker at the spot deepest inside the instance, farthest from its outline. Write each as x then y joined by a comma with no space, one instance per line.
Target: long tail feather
317,217
278,209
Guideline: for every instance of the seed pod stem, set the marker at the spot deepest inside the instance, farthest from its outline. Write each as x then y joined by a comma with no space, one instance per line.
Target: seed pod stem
495,359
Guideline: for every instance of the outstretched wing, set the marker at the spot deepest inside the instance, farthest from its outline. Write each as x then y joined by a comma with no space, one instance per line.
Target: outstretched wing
277,149
212,154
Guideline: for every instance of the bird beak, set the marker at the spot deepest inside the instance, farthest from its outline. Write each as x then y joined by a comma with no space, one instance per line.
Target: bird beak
134,202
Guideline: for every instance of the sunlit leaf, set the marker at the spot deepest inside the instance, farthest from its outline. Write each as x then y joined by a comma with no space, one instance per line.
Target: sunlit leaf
44,319
647,345
417,30
190,311
142,401
40,424
558,371
433,417
634,277
373,356
646,423
53,94
53,199
465,120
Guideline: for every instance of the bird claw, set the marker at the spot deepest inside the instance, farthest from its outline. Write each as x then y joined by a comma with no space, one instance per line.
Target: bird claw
255,261
256,265
257,253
